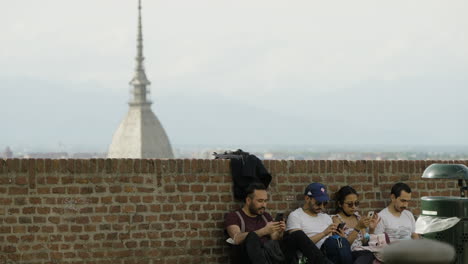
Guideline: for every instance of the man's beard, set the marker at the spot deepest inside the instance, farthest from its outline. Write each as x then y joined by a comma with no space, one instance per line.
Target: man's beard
256,211
317,210
400,209
314,209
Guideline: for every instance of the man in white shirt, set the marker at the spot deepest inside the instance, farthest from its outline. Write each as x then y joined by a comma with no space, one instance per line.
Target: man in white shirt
396,220
310,218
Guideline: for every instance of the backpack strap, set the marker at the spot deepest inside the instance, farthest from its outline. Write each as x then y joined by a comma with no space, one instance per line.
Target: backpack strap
242,227
264,219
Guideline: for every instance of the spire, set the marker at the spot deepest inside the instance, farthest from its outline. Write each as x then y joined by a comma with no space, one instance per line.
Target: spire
139,81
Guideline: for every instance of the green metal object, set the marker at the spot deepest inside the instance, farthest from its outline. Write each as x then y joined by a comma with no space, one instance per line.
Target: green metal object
457,235
446,171
444,207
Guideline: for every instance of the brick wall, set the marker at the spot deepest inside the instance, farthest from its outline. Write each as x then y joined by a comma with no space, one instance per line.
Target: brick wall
161,211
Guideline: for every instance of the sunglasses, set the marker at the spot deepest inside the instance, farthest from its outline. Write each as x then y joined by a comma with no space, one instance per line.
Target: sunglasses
320,203
350,204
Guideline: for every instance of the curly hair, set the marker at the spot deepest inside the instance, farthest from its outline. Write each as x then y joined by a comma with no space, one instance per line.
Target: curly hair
341,194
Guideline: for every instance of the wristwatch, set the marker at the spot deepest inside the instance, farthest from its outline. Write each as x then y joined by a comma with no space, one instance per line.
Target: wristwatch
357,230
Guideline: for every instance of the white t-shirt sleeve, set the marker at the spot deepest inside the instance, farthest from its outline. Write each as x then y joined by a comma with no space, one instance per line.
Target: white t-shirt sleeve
294,221
412,220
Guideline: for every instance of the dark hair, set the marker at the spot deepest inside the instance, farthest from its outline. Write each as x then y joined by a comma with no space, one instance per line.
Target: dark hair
341,194
252,187
398,187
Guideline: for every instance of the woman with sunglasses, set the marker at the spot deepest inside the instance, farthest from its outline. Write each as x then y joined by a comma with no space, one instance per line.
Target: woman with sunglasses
347,203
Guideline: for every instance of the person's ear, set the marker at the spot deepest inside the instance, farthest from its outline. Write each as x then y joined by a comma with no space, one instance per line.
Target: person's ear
392,196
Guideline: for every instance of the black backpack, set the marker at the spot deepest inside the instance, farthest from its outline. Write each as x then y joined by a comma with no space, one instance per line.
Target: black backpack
338,250
245,170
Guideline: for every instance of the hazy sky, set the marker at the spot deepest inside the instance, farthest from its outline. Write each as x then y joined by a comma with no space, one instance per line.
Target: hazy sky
236,72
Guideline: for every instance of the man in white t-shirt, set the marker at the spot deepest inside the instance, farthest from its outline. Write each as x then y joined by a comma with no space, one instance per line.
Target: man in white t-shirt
396,220
309,218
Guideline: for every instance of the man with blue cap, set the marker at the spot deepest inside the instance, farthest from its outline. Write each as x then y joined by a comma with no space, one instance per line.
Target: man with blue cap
310,218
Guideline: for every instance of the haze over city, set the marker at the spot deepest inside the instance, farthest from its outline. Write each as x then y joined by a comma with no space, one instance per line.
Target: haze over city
243,73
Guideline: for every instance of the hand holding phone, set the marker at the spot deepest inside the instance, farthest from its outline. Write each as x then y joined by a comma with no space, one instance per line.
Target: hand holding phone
340,226
370,214
279,217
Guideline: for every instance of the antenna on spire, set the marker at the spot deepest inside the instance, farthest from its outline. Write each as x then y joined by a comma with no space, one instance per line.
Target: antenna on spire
140,57
139,81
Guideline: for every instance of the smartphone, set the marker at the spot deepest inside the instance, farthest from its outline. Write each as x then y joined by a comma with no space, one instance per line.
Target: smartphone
370,214
279,217
341,226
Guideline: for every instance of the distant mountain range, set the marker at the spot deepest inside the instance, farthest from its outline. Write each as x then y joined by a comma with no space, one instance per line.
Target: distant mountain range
59,116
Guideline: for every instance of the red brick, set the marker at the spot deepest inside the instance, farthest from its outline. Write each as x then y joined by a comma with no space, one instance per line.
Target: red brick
86,190
17,190
12,165
59,190
369,196
3,167
6,201
148,199
128,209
9,249
196,188
115,189
141,208
155,208
351,166
121,199
225,166
106,165
73,190
21,180
168,207
68,180
82,220
40,165
114,209
76,229
96,165
54,165
206,165
43,210
328,165
123,166
70,165
334,166
106,200
197,166
137,165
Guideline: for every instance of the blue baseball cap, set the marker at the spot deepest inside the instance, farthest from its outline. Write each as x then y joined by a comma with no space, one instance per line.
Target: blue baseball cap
317,191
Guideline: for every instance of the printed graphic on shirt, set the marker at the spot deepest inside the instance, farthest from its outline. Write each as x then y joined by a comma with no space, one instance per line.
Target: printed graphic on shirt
402,232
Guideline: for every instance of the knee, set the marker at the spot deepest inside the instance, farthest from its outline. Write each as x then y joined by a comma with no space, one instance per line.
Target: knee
298,234
252,237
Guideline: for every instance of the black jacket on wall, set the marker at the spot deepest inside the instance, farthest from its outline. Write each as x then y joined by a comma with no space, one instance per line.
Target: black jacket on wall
247,170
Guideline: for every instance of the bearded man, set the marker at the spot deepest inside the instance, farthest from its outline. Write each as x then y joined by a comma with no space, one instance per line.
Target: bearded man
259,239
311,218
